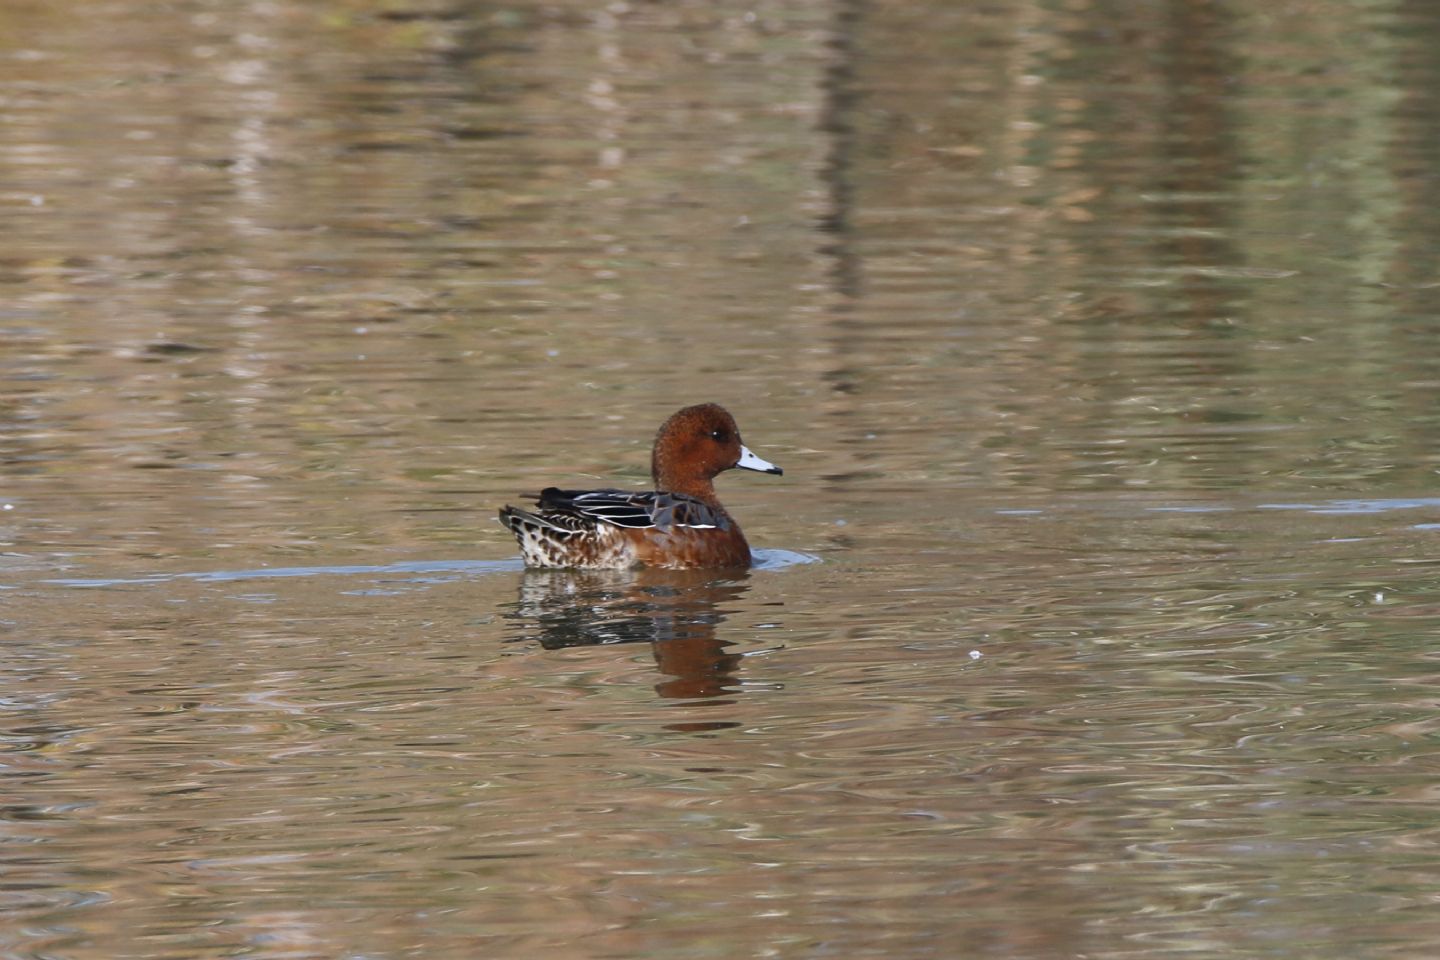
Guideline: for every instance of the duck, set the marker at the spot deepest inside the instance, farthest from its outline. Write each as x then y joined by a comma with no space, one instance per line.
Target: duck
680,525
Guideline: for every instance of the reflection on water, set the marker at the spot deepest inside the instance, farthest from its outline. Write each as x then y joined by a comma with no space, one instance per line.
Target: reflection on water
677,611
1097,338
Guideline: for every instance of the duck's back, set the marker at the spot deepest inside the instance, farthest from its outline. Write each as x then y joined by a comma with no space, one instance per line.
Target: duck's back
611,529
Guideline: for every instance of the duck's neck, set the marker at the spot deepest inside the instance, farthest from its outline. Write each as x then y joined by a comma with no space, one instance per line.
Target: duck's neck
701,487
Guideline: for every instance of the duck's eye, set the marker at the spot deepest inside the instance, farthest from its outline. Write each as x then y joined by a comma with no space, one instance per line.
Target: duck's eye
720,436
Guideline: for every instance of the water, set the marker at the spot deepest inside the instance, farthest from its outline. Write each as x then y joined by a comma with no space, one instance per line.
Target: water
1094,610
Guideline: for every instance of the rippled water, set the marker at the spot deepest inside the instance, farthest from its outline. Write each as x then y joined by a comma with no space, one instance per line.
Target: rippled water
1094,613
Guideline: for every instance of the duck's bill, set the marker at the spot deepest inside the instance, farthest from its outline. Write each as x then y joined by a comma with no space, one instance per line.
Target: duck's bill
748,461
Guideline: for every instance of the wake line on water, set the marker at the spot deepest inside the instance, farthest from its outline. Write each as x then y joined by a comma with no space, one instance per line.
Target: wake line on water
422,569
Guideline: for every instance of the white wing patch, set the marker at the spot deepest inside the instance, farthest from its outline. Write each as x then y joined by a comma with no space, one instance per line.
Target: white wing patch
636,511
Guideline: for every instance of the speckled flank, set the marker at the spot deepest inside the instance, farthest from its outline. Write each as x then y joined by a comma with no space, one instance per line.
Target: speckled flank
544,542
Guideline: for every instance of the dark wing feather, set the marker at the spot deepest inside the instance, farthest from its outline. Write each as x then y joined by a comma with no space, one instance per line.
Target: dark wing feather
637,510
676,509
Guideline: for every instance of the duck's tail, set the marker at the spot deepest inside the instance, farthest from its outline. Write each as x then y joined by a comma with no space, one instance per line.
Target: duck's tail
523,522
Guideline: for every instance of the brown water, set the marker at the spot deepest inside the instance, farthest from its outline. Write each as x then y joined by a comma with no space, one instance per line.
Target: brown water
1096,610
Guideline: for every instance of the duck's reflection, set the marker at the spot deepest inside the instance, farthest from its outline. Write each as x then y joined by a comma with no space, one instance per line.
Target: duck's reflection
675,610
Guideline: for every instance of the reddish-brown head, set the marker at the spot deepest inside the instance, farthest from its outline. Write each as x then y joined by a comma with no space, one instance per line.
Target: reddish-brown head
695,445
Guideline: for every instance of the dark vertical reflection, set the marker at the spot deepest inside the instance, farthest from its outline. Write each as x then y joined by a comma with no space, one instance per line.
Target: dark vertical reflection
837,124
1177,184
1198,151
1412,275
1415,269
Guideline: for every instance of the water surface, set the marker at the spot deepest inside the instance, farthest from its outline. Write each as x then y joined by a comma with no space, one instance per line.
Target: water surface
1094,611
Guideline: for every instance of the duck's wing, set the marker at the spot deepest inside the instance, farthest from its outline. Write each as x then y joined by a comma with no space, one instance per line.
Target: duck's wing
636,510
